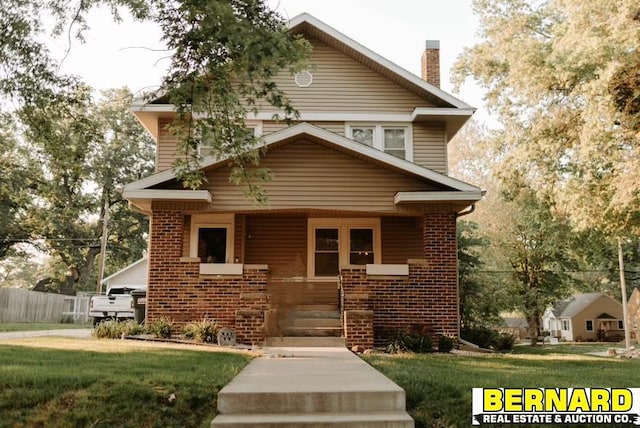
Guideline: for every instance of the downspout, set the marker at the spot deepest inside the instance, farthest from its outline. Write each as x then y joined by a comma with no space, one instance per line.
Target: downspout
467,212
458,215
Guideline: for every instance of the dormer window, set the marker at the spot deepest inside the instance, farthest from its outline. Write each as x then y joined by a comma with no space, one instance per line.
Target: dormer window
394,139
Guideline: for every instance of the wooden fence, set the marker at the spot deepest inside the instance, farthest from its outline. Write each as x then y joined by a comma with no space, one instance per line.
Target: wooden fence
30,306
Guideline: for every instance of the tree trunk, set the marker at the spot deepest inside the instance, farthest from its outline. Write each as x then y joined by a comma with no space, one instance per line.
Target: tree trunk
84,271
534,328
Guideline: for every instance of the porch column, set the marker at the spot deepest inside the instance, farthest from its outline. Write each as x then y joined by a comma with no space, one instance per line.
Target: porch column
167,274
441,271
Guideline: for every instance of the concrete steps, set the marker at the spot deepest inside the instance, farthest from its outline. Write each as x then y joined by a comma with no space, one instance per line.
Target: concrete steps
306,342
311,387
345,420
313,322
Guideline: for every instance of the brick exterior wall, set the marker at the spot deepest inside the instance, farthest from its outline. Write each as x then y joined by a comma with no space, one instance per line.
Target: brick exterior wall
373,306
358,328
428,296
177,290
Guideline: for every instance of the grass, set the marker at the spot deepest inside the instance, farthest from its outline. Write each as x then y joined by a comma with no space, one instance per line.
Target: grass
120,386
567,348
438,387
24,326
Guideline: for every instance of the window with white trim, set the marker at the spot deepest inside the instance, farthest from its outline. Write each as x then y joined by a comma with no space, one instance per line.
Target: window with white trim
211,238
588,325
338,242
565,325
395,139
254,126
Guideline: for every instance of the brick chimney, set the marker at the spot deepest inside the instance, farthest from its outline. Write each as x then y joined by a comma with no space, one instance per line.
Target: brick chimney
431,62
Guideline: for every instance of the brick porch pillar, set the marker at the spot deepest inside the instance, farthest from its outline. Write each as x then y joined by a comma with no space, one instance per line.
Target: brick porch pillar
441,254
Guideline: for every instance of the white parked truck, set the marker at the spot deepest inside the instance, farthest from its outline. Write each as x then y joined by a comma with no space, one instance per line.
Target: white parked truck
117,304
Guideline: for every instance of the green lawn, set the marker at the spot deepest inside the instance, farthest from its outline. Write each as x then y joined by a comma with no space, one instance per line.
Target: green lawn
26,326
49,387
567,348
438,387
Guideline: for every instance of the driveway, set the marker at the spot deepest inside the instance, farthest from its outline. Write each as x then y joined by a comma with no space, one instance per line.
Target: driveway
80,333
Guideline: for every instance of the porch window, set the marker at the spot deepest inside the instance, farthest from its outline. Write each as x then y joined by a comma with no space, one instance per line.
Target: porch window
334,243
327,255
395,139
211,238
589,325
361,246
565,325
620,325
212,244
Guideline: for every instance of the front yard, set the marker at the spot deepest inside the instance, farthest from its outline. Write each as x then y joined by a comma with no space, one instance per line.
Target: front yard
105,383
124,386
439,387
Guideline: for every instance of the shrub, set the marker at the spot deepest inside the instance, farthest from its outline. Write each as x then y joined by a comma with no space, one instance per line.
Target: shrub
132,328
161,327
488,338
201,331
113,329
505,342
417,339
445,344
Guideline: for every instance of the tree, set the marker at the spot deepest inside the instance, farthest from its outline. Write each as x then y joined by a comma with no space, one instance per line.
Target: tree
557,74
18,180
224,57
85,152
226,54
480,302
538,251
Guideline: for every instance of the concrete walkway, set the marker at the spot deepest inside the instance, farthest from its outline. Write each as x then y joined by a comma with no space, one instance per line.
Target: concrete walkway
311,387
80,333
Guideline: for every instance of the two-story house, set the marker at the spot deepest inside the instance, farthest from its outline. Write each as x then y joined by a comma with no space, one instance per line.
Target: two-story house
358,239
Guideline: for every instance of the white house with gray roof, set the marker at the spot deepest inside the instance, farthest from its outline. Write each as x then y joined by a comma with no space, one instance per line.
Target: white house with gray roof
585,317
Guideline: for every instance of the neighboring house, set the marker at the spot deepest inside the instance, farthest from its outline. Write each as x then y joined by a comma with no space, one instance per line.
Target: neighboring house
633,314
134,275
515,325
585,317
361,217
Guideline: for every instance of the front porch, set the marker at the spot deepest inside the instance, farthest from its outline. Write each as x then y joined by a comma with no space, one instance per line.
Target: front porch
293,274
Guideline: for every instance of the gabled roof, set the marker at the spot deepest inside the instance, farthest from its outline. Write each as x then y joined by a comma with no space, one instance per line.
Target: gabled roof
308,24
333,140
447,108
142,261
572,306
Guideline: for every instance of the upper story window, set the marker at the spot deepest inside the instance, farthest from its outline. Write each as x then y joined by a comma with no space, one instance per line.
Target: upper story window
255,126
395,139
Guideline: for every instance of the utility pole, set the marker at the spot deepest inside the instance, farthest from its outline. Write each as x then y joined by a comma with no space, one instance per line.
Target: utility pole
623,287
103,245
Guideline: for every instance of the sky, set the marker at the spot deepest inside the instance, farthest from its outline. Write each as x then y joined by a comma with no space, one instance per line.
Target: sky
116,55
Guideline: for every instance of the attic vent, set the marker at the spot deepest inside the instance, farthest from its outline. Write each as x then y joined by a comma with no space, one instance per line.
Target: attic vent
303,79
